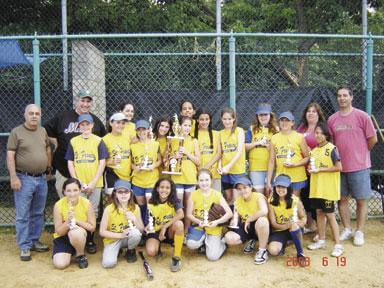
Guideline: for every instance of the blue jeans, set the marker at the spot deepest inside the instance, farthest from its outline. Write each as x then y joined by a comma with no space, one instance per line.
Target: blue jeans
30,204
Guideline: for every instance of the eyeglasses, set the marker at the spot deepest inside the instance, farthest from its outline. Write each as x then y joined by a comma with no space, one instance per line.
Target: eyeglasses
123,191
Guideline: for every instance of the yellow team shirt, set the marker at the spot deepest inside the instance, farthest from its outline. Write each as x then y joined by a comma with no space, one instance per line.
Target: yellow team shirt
202,203
192,132
282,144
129,130
248,208
282,214
80,210
324,185
145,179
208,150
119,145
162,214
188,168
86,158
259,156
163,148
117,221
229,149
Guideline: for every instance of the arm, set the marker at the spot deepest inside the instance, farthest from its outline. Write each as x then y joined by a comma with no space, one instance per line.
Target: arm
71,169
179,216
195,158
159,161
61,227
263,211
11,164
190,215
103,231
271,168
305,152
372,142
54,143
215,158
228,213
138,222
240,147
90,225
99,173
272,220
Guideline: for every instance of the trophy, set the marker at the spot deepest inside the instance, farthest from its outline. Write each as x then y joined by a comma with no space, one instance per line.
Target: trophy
295,218
124,211
117,156
72,222
151,228
235,221
205,217
264,139
171,163
312,162
289,153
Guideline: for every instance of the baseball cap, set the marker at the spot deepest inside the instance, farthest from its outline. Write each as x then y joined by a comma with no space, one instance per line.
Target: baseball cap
118,117
288,115
243,180
282,180
85,117
122,184
263,108
85,94
142,124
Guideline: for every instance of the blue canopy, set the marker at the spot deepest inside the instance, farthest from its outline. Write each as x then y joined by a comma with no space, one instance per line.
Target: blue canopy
11,54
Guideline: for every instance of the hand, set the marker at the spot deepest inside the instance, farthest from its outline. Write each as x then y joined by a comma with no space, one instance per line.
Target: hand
162,233
150,167
289,164
201,224
213,224
225,170
130,216
246,226
313,171
91,187
220,171
15,184
182,150
268,189
125,233
137,168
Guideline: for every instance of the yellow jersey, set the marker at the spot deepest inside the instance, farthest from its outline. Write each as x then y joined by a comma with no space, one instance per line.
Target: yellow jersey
289,144
188,168
248,208
162,214
129,131
208,150
142,152
229,144
259,156
86,158
80,210
282,214
117,222
203,203
324,185
118,145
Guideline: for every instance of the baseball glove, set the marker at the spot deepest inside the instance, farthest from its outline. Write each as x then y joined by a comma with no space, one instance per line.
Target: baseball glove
215,212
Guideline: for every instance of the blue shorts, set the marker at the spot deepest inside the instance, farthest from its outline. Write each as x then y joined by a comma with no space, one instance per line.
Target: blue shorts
228,180
186,187
258,179
63,245
138,191
299,185
356,184
280,236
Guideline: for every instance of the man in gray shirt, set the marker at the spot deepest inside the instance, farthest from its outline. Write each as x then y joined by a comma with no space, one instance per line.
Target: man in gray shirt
28,160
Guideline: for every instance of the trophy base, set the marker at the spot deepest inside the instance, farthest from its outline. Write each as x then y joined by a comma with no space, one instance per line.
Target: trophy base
171,173
233,226
175,137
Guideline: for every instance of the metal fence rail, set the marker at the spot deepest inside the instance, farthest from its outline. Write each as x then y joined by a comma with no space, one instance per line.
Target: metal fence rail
157,71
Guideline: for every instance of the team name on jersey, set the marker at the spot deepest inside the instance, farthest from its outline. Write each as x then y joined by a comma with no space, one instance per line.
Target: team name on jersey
82,157
73,127
229,147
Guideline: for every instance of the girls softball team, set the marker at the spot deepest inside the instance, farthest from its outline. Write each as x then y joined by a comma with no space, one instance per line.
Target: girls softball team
206,200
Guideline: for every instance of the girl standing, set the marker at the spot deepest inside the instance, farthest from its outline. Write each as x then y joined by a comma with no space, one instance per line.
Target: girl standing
257,142
209,146
73,216
167,212
232,167
160,132
288,153
128,110
187,109
203,233
121,225
325,170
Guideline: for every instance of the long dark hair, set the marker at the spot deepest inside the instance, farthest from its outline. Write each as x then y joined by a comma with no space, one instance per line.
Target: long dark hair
318,110
123,104
201,112
71,181
288,197
272,124
115,201
172,199
186,101
156,127
324,129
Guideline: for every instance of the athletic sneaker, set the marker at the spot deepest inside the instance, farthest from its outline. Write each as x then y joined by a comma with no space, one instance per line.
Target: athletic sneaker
358,239
91,247
337,250
82,261
130,256
25,255
250,246
346,234
201,250
261,256
317,245
308,230
175,264
39,247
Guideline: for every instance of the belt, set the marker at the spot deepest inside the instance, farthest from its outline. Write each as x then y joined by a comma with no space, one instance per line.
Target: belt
30,174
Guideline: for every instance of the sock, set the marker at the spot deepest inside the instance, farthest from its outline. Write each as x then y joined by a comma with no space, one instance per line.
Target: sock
297,238
178,242
144,214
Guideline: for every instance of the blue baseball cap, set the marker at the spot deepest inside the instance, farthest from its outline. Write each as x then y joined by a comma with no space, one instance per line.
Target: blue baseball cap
142,124
243,180
263,108
282,180
288,115
85,117
122,184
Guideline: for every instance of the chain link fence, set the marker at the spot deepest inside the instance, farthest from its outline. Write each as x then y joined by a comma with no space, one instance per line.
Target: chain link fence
157,73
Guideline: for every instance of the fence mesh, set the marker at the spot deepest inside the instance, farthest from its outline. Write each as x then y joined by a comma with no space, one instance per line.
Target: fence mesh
156,74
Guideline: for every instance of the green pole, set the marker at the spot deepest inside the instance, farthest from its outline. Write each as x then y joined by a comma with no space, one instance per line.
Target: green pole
369,86
36,72
232,72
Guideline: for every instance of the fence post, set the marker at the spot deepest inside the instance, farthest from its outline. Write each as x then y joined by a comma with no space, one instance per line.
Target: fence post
368,97
36,72
232,72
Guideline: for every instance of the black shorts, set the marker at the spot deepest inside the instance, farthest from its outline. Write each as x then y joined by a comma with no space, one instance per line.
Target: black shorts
156,236
110,177
244,236
280,236
327,206
63,245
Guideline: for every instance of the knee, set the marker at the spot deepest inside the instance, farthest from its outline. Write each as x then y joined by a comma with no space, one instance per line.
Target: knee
109,263
178,226
151,251
273,250
229,238
60,263
262,222
77,235
193,245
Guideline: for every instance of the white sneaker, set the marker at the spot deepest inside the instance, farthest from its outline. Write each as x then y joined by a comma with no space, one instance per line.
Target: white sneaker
337,250
261,257
317,245
316,238
358,239
346,234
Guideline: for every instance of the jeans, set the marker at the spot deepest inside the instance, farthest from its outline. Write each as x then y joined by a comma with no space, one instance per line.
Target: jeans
30,204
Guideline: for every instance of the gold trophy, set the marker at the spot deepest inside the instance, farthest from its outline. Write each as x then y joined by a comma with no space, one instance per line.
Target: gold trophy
172,163
288,159
72,222
312,162
234,224
145,160
124,210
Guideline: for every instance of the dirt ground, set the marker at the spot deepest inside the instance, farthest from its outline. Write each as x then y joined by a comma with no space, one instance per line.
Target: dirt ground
363,268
